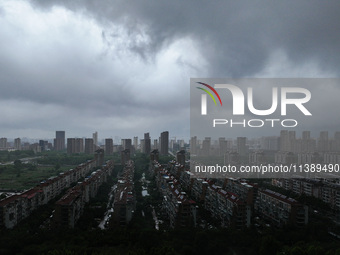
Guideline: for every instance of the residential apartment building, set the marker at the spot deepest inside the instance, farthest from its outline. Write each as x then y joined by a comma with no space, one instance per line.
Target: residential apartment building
327,191
59,141
109,146
164,142
180,210
177,206
75,145
17,144
3,143
279,209
89,146
125,201
15,208
70,207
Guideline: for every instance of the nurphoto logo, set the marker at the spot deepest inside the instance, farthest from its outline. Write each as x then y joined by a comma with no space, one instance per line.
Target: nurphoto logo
284,98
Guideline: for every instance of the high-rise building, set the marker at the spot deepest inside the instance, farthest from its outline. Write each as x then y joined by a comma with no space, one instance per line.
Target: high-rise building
193,145
292,141
3,143
35,147
271,143
164,143
43,145
223,145
337,141
241,146
125,156
126,143
89,146
59,141
155,144
305,135
95,139
75,145
142,146
206,146
147,143
180,156
181,143
172,143
79,145
25,146
71,146
284,141
17,144
108,146
323,143
135,142
99,157
307,143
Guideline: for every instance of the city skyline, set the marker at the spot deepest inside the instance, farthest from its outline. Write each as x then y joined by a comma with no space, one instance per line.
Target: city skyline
303,140
100,138
169,127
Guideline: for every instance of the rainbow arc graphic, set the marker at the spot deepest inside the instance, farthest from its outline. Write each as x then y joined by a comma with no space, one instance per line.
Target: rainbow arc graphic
209,93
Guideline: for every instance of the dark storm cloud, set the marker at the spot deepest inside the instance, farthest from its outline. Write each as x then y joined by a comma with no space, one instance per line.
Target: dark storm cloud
237,37
125,66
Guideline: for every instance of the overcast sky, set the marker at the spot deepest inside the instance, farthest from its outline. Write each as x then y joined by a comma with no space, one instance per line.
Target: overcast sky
123,68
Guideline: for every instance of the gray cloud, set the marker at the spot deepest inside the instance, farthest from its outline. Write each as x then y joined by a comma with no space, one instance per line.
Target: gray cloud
237,36
128,63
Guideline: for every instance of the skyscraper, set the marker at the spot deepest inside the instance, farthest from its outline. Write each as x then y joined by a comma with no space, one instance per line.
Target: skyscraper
155,144
164,143
89,146
241,146
307,143
337,141
147,143
180,156
43,145
108,146
75,145
193,145
79,145
59,141
223,145
17,144
126,143
99,157
95,139
284,141
125,156
142,146
135,142
323,143
206,146
292,141
3,143
71,146
305,135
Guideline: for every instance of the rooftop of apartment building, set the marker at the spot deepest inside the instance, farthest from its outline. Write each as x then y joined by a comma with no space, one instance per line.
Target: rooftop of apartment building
70,196
9,200
179,195
280,196
230,196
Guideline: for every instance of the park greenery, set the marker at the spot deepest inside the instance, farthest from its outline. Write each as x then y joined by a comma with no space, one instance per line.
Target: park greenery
23,170
6,156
